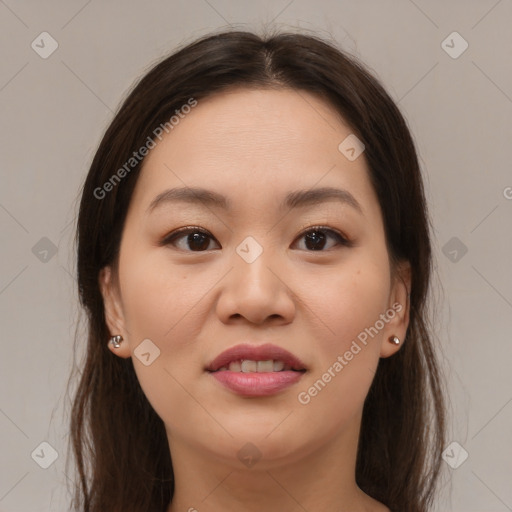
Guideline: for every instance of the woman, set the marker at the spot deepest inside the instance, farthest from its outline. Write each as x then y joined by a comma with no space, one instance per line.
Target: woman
254,259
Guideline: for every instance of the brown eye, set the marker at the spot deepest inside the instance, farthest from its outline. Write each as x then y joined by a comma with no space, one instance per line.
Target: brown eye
192,239
316,238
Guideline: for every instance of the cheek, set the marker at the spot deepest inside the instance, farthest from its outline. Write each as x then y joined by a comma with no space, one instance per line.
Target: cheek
145,297
159,298
345,365
161,302
349,300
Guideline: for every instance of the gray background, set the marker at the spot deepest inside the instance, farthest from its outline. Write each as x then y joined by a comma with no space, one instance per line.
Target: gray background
53,114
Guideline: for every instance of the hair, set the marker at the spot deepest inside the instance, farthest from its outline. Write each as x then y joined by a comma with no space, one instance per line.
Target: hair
120,445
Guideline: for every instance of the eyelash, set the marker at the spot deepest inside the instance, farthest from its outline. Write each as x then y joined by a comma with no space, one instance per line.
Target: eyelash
172,237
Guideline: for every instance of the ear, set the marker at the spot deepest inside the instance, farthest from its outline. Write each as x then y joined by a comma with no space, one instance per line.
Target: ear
399,304
114,316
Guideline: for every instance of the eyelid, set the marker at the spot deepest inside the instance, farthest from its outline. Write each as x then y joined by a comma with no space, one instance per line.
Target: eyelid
177,233
342,238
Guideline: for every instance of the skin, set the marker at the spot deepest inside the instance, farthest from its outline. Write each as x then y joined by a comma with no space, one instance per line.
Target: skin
254,147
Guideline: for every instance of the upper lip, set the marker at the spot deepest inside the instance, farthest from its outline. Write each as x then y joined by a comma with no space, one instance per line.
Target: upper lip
255,353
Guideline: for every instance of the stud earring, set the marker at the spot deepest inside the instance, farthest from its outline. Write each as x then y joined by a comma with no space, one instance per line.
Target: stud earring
394,339
115,341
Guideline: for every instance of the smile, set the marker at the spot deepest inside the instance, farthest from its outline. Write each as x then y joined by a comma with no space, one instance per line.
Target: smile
249,366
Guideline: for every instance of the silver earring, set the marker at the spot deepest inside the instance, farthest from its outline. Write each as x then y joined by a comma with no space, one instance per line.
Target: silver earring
394,339
116,340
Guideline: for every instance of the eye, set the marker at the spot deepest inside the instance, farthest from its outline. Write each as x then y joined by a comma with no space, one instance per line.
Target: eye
316,236
195,239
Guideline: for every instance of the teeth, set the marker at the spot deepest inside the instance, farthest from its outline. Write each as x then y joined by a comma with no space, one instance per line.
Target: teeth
248,366
266,366
235,366
278,366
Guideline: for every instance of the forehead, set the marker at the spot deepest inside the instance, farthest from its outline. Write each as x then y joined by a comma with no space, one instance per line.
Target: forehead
250,143
243,120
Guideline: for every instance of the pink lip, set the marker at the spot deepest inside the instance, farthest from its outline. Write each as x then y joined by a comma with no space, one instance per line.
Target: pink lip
255,383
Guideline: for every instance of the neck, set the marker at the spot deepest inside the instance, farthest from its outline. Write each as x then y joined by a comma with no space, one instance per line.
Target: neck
319,478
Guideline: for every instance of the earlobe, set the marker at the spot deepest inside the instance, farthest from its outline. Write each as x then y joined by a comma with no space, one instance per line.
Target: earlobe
114,317
396,329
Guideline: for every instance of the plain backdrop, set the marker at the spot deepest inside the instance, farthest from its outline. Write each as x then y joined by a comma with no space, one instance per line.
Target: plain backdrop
55,108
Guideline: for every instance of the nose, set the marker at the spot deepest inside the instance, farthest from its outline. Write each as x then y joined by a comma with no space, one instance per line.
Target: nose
257,291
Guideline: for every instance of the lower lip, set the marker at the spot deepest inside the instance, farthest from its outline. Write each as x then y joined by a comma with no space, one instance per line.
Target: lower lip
257,384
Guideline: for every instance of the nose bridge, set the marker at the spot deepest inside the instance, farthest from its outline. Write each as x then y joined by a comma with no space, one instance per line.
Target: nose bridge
253,259
250,250
253,289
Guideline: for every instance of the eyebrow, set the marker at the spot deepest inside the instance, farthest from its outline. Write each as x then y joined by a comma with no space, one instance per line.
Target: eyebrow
296,199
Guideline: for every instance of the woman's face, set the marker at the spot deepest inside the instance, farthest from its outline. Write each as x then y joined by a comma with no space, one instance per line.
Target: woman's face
256,273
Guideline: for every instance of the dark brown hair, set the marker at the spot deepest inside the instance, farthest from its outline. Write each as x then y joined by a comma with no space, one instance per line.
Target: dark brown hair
118,440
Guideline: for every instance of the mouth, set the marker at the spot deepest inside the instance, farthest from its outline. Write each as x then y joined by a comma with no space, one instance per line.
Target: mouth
248,358
256,371
252,366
